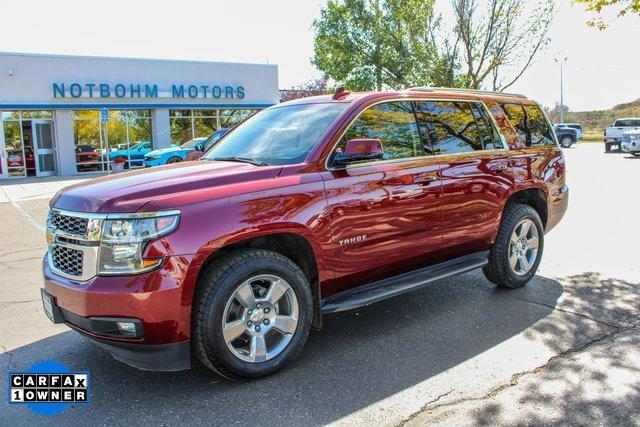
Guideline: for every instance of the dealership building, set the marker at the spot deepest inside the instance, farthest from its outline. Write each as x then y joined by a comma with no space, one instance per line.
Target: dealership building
68,115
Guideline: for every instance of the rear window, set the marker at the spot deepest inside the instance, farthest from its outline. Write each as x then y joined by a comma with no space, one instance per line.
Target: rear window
627,123
530,123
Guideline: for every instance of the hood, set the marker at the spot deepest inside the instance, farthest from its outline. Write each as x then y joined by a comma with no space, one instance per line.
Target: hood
129,191
162,151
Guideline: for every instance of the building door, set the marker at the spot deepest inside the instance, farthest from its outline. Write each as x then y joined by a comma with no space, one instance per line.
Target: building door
3,153
44,147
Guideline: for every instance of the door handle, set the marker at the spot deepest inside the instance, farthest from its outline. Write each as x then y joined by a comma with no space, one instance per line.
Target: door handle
424,178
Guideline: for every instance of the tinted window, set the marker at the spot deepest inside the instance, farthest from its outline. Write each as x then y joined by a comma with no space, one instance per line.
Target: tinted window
279,135
488,134
626,123
450,125
393,123
501,119
530,123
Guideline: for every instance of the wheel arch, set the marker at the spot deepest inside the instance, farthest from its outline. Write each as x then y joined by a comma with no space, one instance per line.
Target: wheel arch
299,248
535,197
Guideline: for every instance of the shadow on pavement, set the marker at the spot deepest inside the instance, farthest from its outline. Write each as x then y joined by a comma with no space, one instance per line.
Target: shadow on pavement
359,358
602,386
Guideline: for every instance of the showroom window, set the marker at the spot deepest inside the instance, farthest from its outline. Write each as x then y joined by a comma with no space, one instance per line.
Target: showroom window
126,136
189,124
18,129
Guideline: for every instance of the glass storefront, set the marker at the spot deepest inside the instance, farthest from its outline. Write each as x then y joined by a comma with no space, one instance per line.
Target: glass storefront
188,124
126,137
29,143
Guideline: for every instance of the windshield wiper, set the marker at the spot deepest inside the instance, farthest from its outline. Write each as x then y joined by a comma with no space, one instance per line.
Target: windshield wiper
242,160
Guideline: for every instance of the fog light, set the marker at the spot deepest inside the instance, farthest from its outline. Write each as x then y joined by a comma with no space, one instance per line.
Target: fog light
127,328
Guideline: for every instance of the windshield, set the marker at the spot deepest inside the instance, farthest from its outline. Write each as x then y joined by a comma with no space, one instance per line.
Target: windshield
278,136
192,143
214,138
627,123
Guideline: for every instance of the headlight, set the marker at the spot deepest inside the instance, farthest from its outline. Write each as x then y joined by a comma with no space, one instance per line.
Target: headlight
124,237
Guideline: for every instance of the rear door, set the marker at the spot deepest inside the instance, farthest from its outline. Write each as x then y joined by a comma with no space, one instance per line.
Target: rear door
386,214
475,171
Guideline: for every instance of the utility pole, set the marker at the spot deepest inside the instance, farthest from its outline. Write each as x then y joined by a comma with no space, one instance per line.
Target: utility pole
561,61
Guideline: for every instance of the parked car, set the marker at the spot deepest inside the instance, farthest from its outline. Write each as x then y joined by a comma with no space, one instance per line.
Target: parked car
631,142
309,207
210,142
575,126
135,154
566,136
88,158
173,154
613,134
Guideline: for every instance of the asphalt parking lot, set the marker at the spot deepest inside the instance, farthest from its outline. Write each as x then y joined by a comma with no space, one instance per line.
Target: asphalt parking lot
564,349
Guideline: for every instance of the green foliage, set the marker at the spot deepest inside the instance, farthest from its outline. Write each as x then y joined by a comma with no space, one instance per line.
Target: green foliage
622,6
377,44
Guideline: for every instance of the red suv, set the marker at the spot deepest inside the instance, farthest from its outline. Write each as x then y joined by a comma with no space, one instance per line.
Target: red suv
309,207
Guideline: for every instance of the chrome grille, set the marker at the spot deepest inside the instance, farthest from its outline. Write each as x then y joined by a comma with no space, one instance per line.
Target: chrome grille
69,224
67,260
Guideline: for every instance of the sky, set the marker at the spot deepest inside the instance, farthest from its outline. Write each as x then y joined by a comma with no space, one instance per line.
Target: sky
602,68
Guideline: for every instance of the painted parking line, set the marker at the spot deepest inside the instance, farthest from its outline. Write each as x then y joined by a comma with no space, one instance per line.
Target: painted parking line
38,226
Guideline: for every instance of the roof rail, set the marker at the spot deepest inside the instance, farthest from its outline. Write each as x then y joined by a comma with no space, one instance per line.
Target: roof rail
451,89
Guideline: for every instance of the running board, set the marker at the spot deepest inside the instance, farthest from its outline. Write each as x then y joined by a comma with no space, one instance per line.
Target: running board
396,285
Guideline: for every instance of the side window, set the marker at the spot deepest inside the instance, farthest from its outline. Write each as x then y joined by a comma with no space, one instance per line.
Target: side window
393,123
488,134
531,124
507,129
451,126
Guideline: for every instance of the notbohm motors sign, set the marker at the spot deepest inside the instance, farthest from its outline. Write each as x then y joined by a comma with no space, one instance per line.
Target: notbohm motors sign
49,388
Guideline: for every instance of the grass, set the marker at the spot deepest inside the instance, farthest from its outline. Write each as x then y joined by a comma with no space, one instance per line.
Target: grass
591,135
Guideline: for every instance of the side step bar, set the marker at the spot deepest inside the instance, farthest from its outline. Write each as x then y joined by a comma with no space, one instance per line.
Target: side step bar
396,285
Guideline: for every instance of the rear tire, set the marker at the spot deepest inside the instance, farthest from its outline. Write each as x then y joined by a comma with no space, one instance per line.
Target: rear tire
243,300
566,142
510,242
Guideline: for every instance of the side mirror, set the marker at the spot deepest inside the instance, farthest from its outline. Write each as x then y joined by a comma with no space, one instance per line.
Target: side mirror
199,147
358,150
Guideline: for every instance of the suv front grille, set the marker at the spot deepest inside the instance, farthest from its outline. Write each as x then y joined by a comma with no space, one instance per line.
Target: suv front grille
67,260
69,224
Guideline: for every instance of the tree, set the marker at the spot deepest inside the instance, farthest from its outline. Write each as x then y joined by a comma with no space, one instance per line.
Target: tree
554,113
311,87
500,39
376,44
623,7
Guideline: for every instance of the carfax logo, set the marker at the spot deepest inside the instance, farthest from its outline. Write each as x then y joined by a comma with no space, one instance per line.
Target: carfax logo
49,388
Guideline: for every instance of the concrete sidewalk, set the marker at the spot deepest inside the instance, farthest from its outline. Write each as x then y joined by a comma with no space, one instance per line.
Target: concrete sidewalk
19,189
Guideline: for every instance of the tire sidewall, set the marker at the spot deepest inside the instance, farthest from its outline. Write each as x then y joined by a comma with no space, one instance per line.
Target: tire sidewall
213,335
174,160
531,214
566,142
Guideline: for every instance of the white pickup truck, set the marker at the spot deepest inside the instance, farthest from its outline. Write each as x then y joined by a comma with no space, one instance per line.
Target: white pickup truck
613,134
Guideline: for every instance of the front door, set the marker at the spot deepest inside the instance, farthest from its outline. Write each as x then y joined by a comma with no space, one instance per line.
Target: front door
44,147
386,214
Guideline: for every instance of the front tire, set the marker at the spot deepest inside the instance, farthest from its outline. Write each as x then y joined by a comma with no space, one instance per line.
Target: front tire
516,253
635,153
251,314
174,160
607,147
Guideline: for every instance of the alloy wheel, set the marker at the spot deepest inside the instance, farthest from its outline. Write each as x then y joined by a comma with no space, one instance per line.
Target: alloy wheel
260,318
523,247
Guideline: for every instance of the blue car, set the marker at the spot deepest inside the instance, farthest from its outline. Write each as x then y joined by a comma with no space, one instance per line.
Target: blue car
135,154
169,155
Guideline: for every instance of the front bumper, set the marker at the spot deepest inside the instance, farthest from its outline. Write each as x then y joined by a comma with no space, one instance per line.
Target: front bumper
154,162
154,301
629,147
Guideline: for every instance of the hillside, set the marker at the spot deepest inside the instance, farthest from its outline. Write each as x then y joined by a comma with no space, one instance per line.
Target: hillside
600,119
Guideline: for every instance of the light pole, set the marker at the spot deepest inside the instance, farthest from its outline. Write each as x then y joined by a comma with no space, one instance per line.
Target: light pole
561,61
